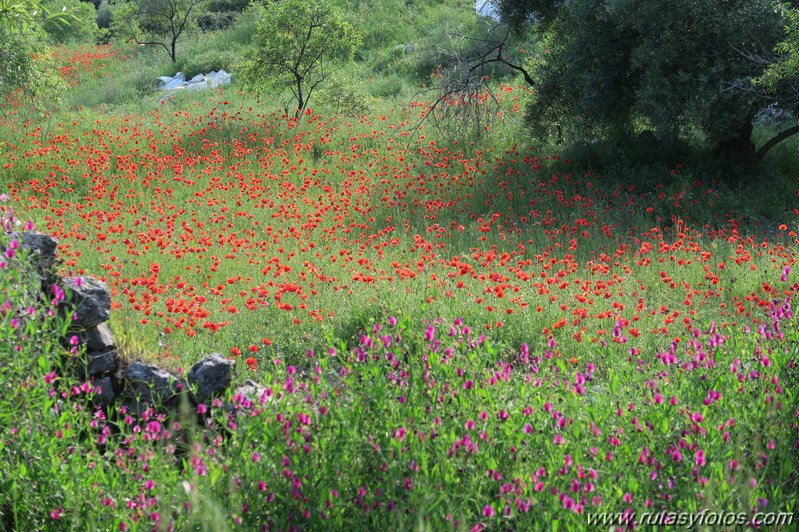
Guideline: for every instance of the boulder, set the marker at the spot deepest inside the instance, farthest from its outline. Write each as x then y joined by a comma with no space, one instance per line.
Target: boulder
150,384
211,376
101,362
91,300
41,248
106,393
218,79
98,338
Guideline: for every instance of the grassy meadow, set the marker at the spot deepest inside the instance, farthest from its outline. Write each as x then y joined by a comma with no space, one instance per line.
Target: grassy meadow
456,331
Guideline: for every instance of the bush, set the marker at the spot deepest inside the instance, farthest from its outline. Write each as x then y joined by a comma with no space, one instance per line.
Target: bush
24,65
205,61
211,21
344,95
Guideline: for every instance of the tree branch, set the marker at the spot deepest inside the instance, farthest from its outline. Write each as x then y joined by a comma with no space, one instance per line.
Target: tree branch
773,141
150,43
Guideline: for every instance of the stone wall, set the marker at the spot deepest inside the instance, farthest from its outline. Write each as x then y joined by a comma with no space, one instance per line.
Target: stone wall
96,358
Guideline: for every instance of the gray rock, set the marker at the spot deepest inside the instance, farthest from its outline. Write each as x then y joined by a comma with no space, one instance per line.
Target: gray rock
149,383
211,376
218,79
41,247
98,338
248,392
196,85
173,83
198,82
162,81
107,394
100,362
91,299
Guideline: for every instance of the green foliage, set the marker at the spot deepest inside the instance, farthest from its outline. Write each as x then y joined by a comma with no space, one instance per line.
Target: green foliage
297,45
215,21
24,65
345,95
21,14
786,67
82,28
134,82
520,12
614,68
104,15
227,6
205,61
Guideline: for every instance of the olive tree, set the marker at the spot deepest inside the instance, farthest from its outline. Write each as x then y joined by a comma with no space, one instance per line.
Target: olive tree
679,68
297,45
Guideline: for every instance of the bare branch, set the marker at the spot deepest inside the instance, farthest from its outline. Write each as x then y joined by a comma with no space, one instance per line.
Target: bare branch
466,101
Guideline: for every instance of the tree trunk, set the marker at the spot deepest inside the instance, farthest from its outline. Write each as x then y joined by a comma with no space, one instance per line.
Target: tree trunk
300,99
773,141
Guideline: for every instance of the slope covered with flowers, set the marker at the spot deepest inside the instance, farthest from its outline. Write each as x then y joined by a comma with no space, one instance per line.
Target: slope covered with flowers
453,334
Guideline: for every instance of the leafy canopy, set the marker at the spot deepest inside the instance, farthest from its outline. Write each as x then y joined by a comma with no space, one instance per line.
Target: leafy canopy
786,67
680,68
23,14
297,46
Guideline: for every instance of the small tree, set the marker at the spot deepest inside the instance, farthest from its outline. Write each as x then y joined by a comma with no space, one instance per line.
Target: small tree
24,65
296,44
154,22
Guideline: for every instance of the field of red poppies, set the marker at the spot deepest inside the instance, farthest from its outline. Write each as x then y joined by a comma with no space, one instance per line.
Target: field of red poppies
466,335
